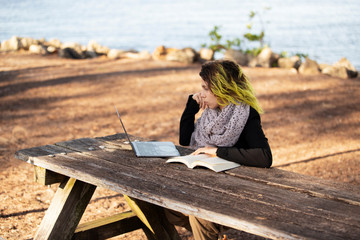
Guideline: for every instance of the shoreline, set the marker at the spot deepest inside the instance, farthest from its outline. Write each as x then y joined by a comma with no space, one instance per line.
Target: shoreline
300,63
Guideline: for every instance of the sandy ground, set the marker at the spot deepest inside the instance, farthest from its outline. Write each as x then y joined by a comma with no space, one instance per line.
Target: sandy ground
312,122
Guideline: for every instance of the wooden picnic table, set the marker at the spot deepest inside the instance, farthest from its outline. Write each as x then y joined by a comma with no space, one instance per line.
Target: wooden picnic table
272,203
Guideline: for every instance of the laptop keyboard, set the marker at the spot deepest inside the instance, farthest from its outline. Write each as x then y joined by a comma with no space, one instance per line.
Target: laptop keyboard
147,149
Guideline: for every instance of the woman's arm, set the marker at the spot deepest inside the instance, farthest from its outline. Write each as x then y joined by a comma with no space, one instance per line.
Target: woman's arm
254,157
187,121
252,149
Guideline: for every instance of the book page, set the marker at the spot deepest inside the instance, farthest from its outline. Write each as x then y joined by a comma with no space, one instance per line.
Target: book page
190,158
214,163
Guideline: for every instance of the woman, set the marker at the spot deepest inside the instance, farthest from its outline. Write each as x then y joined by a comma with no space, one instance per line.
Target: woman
229,128
230,125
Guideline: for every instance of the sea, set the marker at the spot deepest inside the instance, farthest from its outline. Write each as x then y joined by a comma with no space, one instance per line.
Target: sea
324,30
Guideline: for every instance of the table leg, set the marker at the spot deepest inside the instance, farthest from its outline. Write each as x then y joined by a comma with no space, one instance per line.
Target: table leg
154,218
66,210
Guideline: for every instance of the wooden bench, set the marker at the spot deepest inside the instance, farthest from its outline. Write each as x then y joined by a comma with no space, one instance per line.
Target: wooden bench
271,203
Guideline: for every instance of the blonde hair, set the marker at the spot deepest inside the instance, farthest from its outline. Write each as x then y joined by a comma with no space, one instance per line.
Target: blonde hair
229,84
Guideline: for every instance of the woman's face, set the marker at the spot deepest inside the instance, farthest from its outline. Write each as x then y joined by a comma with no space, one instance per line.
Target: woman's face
208,97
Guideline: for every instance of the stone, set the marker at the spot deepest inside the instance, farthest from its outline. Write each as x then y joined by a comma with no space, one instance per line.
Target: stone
237,56
309,67
54,42
71,50
115,54
99,49
144,55
69,53
89,54
185,55
161,52
206,54
37,49
336,71
51,49
293,71
12,44
26,42
322,66
266,58
344,62
289,62
351,70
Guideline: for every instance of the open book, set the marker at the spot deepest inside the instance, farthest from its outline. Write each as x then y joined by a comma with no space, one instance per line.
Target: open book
202,160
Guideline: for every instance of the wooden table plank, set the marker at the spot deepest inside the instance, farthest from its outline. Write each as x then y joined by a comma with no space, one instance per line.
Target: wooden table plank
152,189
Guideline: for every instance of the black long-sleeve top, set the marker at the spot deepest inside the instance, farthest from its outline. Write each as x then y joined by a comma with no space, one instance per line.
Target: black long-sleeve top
252,148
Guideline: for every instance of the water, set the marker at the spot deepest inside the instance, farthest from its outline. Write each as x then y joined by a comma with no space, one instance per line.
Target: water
325,30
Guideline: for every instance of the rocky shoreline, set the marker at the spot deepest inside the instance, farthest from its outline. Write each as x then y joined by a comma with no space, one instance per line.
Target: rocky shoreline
266,58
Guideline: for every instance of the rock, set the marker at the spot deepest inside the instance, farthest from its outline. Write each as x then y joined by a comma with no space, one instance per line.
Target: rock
293,71
344,62
309,67
71,50
351,70
26,42
206,54
51,49
42,41
322,66
335,71
89,54
291,62
54,43
37,49
145,55
69,53
186,55
115,53
99,49
238,56
13,44
161,51
266,58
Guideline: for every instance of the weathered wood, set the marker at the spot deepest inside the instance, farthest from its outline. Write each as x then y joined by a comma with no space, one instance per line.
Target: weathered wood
66,209
240,199
247,177
108,227
301,183
154,219
279,178
205,174
46,177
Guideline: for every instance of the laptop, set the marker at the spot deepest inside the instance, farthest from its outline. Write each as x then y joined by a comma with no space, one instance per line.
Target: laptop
151,149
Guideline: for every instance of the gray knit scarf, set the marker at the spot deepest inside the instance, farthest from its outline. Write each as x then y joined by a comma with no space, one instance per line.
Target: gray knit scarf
220,128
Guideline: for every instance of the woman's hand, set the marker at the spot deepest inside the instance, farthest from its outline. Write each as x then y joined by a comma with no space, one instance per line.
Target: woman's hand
211,151
197,97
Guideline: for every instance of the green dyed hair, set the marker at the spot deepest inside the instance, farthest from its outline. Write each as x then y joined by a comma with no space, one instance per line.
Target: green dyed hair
229,84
